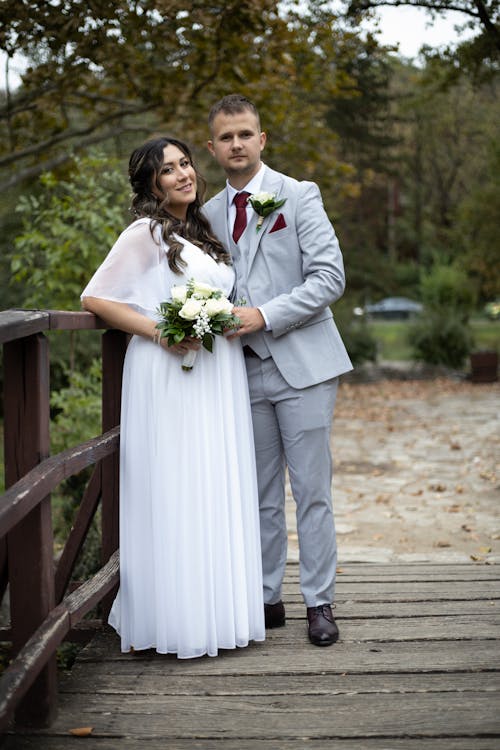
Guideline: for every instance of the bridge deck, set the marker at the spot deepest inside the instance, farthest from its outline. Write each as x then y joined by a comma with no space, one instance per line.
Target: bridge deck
417,666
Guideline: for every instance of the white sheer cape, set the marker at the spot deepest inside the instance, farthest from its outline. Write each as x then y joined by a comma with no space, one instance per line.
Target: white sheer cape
190,566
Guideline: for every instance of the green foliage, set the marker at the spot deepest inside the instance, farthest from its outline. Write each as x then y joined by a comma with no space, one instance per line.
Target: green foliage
77,417
77,408
476,227
68,229
360,343
442,334
357,336
440,338
447,289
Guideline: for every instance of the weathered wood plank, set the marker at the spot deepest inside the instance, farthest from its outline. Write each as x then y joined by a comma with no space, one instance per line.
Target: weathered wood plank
84,598
71,320
114,346
275,655
402,629
67,742
285,717
419,674
359,572
30,538
371,629
78,533
420,591
26,493
352,609
15,324
29,662
102,678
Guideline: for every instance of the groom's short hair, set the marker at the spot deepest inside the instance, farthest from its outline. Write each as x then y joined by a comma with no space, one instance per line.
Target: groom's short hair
232,104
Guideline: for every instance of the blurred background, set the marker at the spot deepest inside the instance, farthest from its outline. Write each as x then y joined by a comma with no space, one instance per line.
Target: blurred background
402,140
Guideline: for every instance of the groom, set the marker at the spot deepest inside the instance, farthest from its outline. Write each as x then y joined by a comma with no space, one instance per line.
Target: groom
289,269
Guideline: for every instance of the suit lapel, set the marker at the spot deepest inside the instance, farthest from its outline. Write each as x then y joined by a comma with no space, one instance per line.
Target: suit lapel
218,219
272,183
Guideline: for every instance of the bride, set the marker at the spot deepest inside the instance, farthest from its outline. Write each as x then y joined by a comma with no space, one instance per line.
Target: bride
190,564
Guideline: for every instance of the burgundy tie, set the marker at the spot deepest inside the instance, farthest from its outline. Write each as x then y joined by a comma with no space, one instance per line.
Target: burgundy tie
240,201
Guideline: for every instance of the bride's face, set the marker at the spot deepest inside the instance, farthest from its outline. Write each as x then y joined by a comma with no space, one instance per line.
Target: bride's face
177,181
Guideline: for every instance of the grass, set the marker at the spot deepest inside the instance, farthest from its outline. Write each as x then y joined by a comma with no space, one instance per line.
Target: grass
392,337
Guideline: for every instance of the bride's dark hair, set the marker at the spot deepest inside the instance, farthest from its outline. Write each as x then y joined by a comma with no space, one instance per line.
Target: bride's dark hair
144,171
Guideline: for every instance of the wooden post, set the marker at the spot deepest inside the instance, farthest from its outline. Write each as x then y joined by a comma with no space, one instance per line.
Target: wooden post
30,544
114,346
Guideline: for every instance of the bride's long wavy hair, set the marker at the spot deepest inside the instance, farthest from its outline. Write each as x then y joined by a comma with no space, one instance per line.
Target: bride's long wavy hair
144,171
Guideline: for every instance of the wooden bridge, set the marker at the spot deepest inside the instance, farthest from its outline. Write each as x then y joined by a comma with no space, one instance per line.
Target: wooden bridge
417,665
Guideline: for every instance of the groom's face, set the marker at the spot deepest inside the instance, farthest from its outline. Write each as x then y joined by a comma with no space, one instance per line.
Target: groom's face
237,142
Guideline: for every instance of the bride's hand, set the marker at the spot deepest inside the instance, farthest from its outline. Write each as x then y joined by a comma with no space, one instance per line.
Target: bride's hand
183,347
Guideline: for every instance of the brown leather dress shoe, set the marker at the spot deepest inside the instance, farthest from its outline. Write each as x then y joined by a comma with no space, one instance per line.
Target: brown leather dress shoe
322,628
274,615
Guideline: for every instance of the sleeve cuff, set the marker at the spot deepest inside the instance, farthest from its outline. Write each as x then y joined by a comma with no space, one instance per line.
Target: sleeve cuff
266,320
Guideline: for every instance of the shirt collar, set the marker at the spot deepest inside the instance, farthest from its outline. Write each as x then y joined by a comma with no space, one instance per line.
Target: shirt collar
251,187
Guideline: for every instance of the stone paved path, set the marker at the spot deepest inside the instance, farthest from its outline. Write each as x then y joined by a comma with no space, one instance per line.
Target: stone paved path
417,472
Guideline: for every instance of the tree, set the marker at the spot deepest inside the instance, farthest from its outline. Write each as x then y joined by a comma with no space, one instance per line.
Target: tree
68,230
101,70
477,57
476,227
447,136
483,13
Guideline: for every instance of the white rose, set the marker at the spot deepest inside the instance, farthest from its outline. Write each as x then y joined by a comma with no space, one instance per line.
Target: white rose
190,309
263,197
179,293
215,306
202,291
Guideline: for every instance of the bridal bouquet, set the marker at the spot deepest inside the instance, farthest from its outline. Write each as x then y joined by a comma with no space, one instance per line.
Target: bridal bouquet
198,310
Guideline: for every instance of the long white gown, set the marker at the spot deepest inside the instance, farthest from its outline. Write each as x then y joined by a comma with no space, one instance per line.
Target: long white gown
190,561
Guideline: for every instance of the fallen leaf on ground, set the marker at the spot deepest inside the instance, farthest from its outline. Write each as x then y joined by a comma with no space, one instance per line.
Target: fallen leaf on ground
81,731
442,544
437,487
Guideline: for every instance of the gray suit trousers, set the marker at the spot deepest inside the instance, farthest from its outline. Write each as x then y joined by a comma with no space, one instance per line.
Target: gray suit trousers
292,428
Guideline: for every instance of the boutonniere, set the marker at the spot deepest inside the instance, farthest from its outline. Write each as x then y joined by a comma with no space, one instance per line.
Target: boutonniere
264,204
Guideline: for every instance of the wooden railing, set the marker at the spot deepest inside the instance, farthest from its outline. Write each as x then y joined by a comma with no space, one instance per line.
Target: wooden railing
41,614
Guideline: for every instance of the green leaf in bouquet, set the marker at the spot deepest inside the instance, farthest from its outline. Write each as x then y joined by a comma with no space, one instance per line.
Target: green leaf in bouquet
208,342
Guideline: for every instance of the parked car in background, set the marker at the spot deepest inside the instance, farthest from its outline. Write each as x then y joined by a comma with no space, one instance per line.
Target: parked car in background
492,309
394,308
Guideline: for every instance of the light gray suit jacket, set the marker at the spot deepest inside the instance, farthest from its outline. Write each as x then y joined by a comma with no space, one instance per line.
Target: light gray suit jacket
293,274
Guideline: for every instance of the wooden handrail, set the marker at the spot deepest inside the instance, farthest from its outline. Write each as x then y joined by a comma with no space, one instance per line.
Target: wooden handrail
38,622
22,672
25,494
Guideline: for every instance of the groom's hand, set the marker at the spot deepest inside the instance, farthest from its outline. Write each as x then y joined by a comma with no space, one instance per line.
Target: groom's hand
251,321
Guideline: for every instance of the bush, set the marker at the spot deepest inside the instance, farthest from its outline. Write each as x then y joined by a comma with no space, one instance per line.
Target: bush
357,337
440,338
448,288
77,410
360,344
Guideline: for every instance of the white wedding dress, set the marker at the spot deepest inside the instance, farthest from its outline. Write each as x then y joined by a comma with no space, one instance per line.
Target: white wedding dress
190,564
